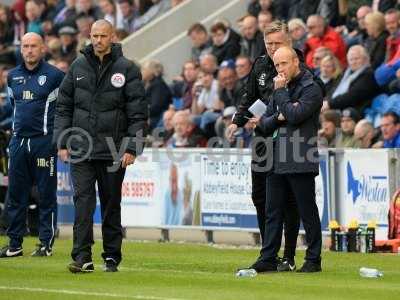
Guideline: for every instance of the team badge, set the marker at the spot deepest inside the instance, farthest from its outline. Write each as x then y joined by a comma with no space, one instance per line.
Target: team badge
118,80
261,79
42,80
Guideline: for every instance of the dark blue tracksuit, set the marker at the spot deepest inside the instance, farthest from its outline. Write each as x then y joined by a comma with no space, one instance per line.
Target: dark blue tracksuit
33,157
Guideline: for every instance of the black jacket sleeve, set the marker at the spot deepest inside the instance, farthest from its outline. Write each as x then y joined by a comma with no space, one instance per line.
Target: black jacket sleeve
232,50
363,88
251,94
303,108
378,56
64,111
136,107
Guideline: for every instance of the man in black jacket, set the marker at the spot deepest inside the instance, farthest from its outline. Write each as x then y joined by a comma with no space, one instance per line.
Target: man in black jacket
260,85
225,43
102,99
357,86
253,41
292,117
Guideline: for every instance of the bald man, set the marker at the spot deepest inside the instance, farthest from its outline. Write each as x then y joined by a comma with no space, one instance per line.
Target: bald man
260,85
102,97
253,39
364,132
292,119
33,89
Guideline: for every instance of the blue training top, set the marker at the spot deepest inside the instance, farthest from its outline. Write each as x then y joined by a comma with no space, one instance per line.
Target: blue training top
32,94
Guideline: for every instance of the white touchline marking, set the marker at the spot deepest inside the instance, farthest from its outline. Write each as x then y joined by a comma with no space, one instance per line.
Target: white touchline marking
171,271
72,292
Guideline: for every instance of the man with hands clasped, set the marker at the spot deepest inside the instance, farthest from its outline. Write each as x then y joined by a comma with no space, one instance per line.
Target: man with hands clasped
292,116
100,120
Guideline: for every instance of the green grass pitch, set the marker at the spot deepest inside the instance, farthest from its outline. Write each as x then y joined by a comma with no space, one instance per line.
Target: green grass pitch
178,271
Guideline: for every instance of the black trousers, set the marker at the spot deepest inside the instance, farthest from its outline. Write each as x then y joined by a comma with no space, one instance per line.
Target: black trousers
279,187
291,217
84,176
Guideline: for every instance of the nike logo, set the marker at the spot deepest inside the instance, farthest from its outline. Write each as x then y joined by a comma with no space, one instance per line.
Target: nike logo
79,78
13,253
292,268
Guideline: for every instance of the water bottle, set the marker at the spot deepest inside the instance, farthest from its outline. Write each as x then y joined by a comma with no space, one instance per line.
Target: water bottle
246,273
370,273
344,241
363,240
370,239
336,244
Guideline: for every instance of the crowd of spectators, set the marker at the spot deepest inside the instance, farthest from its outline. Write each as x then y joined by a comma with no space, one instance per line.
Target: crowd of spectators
353,46
65,26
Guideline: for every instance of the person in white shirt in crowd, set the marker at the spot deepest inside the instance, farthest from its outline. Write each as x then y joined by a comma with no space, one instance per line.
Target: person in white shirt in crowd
205,93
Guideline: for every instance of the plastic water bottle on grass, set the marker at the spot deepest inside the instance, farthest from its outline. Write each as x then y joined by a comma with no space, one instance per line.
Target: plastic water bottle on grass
246,273
370,273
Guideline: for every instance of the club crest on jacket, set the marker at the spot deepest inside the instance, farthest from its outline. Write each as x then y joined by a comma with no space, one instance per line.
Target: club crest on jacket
42,80
118,80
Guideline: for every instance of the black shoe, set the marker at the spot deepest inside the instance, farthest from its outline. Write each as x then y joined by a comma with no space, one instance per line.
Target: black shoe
7,252
77,267
310,267
286,265
42,251
262,266
110,265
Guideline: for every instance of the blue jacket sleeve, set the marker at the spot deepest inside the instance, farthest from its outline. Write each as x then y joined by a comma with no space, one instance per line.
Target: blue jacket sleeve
10,93
269,124
269,121
6,115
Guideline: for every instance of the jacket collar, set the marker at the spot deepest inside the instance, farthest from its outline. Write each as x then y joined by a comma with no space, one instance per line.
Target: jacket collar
24,68
116,51
302,78
298,77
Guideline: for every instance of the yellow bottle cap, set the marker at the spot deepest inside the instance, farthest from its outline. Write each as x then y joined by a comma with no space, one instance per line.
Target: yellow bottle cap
333,224
372,224
353,224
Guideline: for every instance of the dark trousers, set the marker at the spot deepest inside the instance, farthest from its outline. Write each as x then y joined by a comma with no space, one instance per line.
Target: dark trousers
32,161
279,187
84,176
291,217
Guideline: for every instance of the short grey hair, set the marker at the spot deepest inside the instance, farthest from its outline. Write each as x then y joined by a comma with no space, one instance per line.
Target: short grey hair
155,66
362,50
297,22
